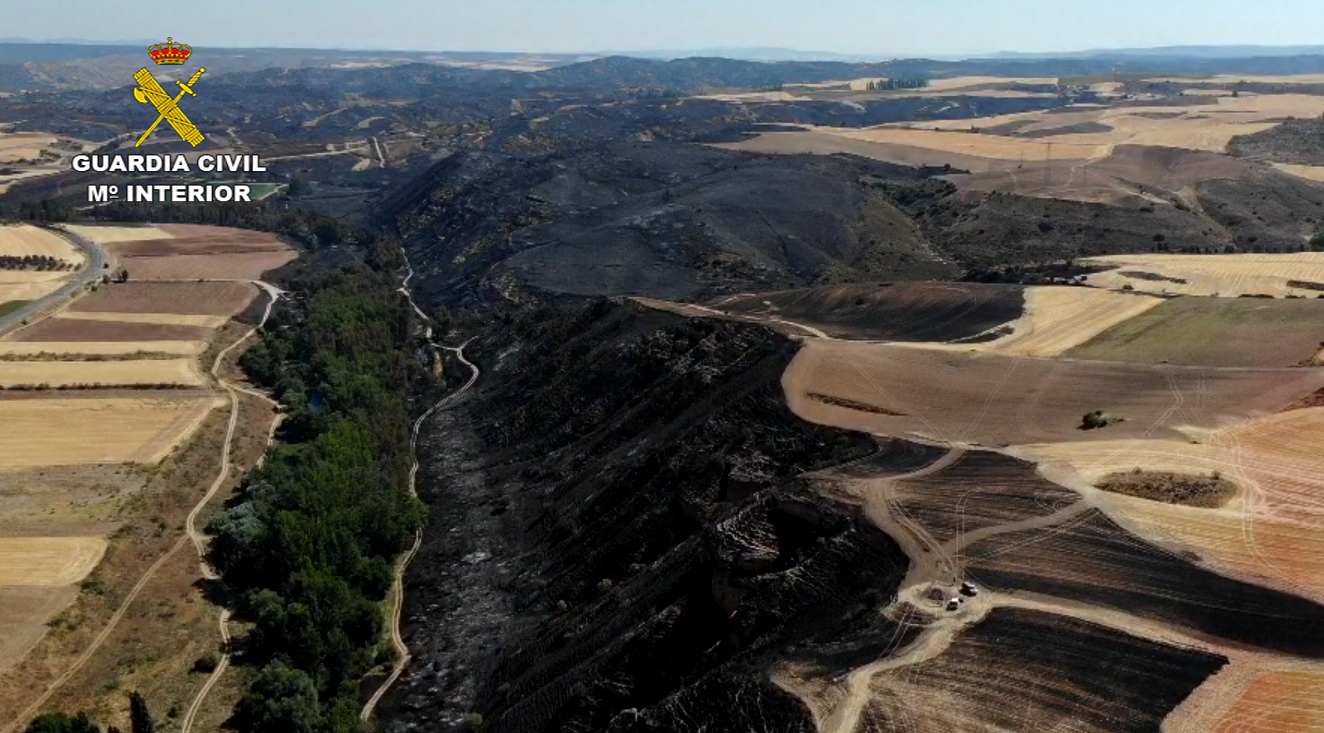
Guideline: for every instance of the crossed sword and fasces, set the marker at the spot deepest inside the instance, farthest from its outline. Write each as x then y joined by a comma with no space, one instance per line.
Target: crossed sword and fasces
150,91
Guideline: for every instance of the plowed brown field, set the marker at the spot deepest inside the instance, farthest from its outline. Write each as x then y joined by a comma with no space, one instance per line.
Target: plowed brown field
195,298
215,267
68,329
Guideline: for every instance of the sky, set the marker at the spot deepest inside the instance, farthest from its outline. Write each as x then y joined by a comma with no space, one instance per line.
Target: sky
890,28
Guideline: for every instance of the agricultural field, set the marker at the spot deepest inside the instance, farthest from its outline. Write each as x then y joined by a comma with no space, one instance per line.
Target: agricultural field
18,147
97,393
1217,332
69,374
94,350
1227,276
61,431
175,252
1058,318
997,400
21,240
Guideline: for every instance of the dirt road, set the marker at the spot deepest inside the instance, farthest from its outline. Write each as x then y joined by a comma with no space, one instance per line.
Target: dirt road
192,532
398,584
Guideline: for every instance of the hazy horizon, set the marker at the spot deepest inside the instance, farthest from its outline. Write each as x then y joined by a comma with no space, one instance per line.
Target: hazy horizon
944,28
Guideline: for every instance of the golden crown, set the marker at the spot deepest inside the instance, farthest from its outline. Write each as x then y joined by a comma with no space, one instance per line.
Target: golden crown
170,52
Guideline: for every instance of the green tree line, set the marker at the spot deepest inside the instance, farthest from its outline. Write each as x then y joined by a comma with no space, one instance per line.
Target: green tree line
894,84
308,545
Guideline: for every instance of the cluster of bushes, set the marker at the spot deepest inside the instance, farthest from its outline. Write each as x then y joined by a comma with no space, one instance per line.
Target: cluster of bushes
308,546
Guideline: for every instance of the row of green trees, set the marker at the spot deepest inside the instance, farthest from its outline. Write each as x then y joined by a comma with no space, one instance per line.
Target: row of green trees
308,547
894,84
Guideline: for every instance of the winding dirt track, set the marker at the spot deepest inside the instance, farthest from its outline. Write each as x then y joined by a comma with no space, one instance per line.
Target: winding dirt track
1265,687
190,535
192,532
398,584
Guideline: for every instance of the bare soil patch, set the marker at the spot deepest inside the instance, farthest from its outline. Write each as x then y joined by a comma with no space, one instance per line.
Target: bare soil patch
196,298
160,319
1220,332
27,608
68,329
1210,491
213,267
1278,702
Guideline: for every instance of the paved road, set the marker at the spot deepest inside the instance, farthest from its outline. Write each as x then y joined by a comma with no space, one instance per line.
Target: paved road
96,267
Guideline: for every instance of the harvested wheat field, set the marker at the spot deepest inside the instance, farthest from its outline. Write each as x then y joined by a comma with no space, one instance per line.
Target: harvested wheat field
48,561
1215,275
55,432
16,146
1219,332
106,234
27,608
1277,702
28,291
41,350
75,330
121,300
21,240
1059,318
994,399
155,319
174,372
